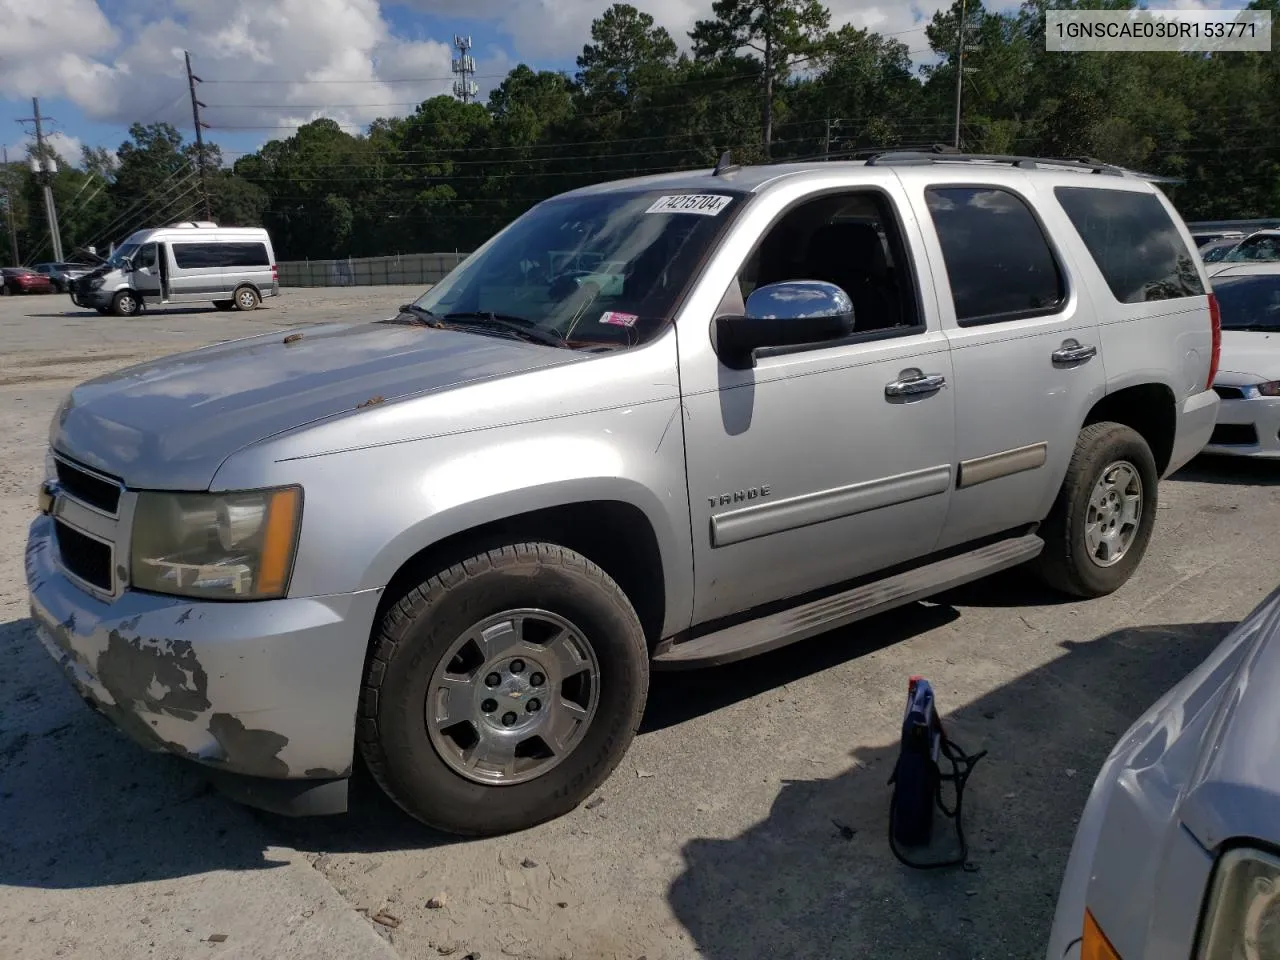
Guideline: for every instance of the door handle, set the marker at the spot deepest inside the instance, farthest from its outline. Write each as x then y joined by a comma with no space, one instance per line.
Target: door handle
1072,351
915,386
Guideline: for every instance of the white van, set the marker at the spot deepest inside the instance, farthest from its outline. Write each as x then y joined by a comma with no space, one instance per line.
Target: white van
197,262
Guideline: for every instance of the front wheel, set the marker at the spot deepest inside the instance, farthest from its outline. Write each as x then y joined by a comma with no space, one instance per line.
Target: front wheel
500,692
125,304
1099,527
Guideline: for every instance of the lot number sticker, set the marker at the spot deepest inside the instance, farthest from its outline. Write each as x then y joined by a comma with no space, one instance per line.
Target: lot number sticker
703,204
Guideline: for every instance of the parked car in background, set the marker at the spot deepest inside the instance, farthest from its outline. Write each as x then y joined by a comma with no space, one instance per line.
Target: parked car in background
192,262
1263,246
1248,379
62,275
1215,250
458,539
1176,853
1203,237
24,280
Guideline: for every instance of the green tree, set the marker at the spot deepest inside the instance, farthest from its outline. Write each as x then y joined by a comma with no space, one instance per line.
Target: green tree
780,32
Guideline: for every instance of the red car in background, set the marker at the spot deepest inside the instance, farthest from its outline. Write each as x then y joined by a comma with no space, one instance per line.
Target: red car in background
23,280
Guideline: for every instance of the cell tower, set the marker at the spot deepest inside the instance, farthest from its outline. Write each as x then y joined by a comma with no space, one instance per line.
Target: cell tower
464,65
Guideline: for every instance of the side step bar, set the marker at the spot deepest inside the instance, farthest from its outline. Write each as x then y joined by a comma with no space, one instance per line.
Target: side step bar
819,616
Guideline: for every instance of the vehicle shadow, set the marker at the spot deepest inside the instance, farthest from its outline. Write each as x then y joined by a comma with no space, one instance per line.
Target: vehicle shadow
823,849
1235,471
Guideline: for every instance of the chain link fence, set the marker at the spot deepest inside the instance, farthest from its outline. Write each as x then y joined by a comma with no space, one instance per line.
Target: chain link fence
408,269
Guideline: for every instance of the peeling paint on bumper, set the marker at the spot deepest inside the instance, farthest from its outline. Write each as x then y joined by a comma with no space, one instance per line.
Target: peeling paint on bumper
257,689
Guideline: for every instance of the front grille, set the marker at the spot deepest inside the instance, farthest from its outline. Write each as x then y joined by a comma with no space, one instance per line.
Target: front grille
1229,393
88,487
83,556
1234,435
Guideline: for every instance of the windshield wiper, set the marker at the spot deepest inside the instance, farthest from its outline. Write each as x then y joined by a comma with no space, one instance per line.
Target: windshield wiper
422,313
519,326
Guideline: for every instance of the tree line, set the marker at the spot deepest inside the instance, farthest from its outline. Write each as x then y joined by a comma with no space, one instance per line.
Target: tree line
765,79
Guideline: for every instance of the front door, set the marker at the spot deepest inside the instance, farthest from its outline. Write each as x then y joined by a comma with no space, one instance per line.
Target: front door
146,272
1025,347
822,463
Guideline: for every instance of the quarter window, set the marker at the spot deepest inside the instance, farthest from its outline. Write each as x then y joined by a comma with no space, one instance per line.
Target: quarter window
191,256
1134,242
998,260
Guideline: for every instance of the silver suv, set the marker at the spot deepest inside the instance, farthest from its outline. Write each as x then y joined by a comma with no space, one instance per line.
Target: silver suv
668,422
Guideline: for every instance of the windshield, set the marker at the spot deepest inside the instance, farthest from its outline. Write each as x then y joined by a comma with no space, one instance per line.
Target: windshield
117,259
604,269
1251,302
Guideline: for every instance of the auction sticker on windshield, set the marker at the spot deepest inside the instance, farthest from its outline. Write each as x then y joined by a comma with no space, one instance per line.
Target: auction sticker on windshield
703,204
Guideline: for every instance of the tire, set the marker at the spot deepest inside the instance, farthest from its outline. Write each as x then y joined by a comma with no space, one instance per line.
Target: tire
417,765
224,304
125,304
1068,563
246,298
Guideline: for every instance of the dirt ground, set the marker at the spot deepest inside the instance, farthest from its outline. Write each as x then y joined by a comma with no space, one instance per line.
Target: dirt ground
748,819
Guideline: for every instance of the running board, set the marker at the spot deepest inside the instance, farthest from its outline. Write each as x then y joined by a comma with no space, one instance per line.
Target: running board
819,616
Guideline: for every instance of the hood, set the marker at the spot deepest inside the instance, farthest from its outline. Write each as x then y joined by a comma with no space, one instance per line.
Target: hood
1234,790
1253,354
170,423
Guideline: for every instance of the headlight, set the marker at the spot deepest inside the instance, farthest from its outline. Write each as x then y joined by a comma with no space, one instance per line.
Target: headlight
97,282
50,465
1269,389
224,546
1243,918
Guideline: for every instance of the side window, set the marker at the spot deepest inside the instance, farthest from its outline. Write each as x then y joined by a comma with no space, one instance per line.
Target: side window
851,240
998,260
192,256
147,256
1134,242
244,255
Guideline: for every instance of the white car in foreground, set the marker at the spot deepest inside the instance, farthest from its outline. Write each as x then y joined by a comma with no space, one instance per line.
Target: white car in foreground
1177,855
1248,380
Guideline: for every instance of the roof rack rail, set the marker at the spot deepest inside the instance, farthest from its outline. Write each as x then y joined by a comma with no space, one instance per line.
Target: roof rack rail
919,157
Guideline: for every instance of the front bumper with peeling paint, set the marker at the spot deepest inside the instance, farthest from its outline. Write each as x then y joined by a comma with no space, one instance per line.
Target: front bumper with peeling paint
264,690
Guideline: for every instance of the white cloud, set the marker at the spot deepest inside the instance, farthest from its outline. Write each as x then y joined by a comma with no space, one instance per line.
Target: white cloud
134,71
64,145
559,28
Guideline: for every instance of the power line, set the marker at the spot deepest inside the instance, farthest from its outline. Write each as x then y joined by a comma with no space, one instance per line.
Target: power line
44,167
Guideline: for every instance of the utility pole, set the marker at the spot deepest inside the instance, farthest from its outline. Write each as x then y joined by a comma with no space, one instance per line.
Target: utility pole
192,80
464,65
8,208
962,47
44,167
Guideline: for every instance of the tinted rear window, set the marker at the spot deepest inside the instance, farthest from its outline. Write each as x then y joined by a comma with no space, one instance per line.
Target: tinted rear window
998,260
190,256
1250,301
1134,242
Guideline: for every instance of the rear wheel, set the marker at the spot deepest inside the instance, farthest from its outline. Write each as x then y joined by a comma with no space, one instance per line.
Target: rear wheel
125,304
1100,525
247,298
501,691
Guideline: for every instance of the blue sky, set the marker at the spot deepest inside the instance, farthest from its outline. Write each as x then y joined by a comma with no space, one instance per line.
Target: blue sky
99,65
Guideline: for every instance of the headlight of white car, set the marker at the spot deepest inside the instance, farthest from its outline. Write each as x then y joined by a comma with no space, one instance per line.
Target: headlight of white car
1243,917
223,546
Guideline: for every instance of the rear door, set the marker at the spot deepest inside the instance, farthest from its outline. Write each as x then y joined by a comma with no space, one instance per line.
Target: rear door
1024,344
1151,294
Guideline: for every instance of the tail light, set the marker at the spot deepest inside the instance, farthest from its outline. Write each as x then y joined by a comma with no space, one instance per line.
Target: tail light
275,273
1215,323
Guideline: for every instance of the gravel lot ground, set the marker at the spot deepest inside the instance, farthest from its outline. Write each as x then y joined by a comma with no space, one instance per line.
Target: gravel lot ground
748,820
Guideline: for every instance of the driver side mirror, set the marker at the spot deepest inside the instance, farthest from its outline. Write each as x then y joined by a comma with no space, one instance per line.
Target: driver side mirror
788,314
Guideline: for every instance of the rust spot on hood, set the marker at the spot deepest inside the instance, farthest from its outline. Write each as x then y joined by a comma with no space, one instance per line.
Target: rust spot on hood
292,338
371,402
